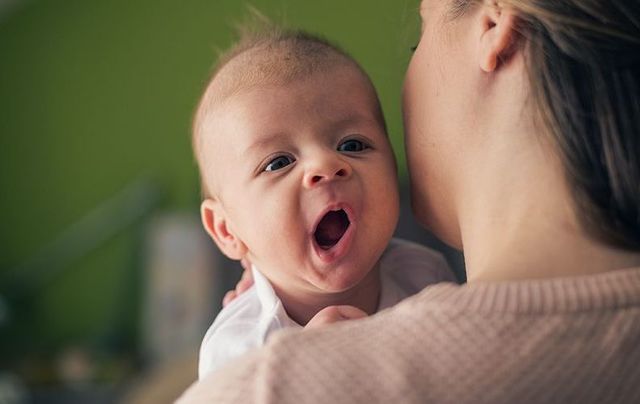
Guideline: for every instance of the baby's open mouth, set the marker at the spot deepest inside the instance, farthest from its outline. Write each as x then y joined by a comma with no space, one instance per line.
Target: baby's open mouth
331,228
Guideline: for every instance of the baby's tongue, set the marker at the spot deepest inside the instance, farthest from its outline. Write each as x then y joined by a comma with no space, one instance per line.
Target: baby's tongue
331,228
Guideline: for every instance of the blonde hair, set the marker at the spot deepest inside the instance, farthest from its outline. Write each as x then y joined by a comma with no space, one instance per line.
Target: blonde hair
583,64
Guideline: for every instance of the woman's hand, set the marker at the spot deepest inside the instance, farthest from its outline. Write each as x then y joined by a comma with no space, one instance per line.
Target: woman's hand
243,284
334,314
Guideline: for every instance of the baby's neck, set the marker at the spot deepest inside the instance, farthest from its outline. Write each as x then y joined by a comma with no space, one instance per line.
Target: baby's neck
365,296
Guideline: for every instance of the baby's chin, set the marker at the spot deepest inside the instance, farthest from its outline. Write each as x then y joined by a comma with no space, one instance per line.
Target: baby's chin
343,279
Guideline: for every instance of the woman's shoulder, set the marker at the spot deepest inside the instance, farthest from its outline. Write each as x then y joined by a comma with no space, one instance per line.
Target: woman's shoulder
458,332
414,265
602,292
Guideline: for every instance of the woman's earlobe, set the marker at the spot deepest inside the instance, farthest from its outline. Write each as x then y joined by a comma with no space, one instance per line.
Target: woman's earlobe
498,37
215,223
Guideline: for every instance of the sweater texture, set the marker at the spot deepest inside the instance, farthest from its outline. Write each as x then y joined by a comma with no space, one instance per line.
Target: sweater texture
560,340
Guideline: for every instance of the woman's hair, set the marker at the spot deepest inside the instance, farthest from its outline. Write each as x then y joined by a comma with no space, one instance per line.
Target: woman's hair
583,61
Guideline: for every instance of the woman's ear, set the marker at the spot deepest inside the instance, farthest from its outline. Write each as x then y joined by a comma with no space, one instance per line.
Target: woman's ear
498,35
215,222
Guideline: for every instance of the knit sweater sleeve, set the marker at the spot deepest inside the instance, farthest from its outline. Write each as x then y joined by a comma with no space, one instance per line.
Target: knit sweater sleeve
551,341
312,366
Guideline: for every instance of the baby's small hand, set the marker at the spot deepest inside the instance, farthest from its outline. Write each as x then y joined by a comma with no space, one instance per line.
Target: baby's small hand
333,314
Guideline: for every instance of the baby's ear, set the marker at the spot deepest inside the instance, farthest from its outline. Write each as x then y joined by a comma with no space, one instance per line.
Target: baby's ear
215,223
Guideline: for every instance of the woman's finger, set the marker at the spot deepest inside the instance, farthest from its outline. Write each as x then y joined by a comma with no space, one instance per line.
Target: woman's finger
245,281
228,297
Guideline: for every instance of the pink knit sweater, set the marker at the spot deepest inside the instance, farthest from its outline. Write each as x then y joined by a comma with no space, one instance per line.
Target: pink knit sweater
564,340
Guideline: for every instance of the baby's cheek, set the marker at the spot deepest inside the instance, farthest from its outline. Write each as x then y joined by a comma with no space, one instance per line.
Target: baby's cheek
386,188
278,230
386,207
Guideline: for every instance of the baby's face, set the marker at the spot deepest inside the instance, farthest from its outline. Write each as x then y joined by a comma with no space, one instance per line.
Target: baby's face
306,178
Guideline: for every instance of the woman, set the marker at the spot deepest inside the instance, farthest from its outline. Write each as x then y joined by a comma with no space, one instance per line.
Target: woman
523,149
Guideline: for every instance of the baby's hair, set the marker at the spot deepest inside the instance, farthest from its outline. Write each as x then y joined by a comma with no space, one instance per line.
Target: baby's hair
265,54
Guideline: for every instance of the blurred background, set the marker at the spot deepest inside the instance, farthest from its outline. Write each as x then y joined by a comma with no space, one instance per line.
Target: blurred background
107,282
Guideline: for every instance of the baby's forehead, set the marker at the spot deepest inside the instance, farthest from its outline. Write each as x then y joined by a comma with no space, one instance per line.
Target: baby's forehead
268,66
322,103
337,92
268,70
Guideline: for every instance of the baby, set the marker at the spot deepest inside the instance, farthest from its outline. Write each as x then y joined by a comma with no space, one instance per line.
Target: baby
299,179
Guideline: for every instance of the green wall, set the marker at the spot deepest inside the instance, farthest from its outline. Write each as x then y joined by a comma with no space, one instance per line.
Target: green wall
94,94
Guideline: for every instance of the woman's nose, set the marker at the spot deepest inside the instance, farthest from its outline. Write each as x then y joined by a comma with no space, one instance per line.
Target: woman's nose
325,170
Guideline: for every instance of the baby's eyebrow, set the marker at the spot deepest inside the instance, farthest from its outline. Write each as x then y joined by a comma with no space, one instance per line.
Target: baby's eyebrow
356,121
263,141
350,121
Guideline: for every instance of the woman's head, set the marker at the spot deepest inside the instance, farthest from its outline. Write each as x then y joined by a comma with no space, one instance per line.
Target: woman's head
581,87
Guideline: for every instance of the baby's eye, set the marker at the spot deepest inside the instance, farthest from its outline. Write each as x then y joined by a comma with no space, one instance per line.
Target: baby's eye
278,163
352,145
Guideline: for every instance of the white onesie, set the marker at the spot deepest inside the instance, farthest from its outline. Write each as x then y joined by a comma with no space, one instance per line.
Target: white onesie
405,269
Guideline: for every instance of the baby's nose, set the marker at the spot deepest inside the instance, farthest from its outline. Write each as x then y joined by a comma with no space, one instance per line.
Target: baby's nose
327,171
